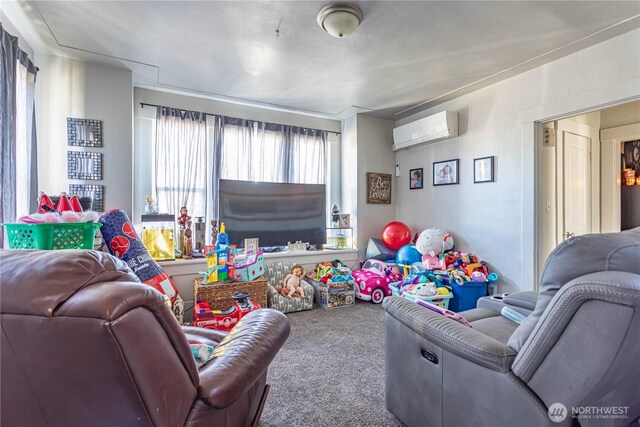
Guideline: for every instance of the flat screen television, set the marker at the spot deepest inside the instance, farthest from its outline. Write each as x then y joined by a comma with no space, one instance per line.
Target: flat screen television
275,213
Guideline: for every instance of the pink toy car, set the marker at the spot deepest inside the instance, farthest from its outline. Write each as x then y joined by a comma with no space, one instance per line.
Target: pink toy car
372,281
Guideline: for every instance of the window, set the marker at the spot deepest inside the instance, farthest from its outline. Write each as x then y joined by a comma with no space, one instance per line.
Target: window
190,155
180,166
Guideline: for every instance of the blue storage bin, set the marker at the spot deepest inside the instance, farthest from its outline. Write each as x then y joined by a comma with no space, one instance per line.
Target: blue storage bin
465,297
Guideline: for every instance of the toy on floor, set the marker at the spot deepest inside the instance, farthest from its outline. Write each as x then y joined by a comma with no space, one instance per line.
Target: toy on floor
373,279
431,243
292,281
123,242
205,317
396,234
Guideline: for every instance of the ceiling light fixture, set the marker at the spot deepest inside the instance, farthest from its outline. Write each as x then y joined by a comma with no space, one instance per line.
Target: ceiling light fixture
339,20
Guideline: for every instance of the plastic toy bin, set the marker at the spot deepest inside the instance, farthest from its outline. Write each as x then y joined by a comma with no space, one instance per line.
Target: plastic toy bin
439,300
466,296
69,235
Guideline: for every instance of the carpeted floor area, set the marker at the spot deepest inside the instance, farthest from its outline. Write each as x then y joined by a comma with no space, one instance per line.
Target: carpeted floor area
330,372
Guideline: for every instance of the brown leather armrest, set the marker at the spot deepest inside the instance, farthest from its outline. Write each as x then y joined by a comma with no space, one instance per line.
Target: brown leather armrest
203,334
242,357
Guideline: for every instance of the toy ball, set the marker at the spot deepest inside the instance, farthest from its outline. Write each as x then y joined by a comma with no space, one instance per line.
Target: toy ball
434,240
408,255
395,235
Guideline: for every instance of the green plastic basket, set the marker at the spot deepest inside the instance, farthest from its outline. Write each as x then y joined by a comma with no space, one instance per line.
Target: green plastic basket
69,235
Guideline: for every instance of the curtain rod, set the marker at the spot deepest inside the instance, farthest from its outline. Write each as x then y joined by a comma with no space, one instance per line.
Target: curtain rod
142,104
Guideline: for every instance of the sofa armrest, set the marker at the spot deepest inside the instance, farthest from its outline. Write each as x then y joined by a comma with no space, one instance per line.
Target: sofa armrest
306,286
242,357
450,335
271,292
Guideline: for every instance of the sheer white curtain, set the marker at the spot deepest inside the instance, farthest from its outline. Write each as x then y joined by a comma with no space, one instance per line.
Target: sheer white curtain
25,152
257,151
180,166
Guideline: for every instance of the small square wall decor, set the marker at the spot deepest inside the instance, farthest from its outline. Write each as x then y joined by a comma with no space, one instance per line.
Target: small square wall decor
96,193
84,132
84,165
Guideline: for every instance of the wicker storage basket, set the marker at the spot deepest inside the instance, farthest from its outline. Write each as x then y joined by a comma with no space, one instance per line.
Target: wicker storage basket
218,295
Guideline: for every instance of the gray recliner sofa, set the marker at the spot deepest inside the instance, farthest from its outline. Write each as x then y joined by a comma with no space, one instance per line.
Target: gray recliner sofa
575,358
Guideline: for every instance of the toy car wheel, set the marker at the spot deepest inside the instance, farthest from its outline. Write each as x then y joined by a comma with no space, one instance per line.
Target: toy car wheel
377,296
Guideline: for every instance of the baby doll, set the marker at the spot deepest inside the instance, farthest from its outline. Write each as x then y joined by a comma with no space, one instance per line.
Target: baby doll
292,281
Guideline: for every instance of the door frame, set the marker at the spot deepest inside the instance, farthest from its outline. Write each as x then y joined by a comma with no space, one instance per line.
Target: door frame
532,137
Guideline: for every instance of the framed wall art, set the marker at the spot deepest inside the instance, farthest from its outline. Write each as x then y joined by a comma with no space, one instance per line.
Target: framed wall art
415,179
96,193
84,132
379,188
483,169
84,165
446,172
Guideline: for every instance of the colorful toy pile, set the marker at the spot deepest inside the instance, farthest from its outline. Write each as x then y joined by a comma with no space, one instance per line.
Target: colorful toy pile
431,270
335,271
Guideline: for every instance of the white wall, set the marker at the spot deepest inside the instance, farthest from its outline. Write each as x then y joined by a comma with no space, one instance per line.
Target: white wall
375,154
620,115
495,220
70,88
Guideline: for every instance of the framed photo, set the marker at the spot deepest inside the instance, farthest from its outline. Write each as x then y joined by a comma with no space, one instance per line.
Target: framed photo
251,245
84,165
96,192
379,188
344,220
483,169
446,172
415,179
84,132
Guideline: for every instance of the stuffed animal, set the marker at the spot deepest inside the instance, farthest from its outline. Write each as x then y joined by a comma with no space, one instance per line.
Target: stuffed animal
292,281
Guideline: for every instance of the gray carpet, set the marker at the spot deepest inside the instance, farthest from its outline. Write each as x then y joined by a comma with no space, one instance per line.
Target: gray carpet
330,372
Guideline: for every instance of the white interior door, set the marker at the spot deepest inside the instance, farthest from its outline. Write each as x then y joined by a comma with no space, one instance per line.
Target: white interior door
577,218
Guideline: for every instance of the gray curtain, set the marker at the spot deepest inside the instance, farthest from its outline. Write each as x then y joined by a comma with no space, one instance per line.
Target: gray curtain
12,58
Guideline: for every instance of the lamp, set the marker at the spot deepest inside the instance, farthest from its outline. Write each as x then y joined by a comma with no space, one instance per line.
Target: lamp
339,20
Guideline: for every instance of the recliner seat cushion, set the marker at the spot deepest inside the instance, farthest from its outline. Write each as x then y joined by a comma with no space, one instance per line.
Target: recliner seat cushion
574,258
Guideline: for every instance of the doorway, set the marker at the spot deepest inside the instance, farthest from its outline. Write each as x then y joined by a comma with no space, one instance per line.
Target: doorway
579,175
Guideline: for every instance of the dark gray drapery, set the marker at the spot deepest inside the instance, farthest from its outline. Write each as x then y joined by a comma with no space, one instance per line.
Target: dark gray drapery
11,56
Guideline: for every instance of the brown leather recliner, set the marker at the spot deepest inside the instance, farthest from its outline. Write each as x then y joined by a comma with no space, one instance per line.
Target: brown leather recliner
85,343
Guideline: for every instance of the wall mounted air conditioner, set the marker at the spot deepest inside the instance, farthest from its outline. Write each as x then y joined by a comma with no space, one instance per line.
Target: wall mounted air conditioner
429,129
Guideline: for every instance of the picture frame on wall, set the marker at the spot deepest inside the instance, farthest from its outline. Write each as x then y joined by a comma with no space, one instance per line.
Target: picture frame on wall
96,192
483,170
84,165
379,188
446,172
416,179
84,132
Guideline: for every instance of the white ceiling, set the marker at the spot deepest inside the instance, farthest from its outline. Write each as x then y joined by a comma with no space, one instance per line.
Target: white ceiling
404,57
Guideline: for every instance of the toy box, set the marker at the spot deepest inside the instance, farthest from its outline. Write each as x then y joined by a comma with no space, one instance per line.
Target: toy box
466,296
333,294
439,300
219,295
251,268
